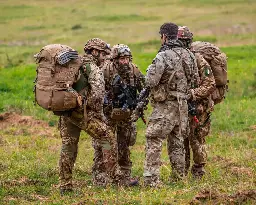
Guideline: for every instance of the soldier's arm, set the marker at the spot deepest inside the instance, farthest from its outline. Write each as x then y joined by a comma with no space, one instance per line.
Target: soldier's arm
97,89
106,74
140,78
155,71
207,81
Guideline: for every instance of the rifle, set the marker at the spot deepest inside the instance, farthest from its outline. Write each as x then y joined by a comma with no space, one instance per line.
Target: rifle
192,110
142,102
126,98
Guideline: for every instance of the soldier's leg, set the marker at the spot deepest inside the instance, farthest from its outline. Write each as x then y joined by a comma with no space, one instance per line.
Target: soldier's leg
133,136
176,153
152,162
70,136
99,130
154,138
98,169
124,132
187,139
187,155
199,147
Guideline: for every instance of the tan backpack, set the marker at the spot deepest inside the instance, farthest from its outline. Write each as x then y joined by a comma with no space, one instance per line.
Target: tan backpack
58,69
218,62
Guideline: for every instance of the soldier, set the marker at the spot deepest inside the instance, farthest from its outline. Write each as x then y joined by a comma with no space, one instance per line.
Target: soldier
169,78
123,81
90,118
201,98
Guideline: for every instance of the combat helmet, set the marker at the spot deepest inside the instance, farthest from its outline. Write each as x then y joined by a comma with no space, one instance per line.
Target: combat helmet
184,33
96,43
120,50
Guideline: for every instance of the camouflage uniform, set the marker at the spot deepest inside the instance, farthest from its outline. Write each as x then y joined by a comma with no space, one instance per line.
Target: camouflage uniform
90,119
204,107
169,77
201,95
125,130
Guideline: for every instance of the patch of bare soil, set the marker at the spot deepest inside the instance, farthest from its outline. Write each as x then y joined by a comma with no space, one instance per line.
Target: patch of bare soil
25,199
233,167
23,181
253,127
224,162
241,171
215,197
15,124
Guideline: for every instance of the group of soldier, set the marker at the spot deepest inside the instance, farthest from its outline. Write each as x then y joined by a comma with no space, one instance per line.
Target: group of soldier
111,83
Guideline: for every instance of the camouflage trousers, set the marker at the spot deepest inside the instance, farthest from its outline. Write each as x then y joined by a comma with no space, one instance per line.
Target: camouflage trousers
196,141
168,120
126,136
70,128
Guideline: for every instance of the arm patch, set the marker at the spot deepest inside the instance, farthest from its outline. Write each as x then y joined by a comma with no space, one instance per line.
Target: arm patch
207,71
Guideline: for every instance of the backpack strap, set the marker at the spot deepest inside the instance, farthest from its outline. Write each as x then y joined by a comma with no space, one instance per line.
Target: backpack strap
135,74
85,90
108,73
132,81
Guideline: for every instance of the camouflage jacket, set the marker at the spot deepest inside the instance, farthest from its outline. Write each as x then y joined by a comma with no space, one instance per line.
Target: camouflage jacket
173,70
206,83
96,85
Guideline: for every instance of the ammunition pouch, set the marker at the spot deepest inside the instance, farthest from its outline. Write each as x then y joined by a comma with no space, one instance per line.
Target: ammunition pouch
159,93
119,114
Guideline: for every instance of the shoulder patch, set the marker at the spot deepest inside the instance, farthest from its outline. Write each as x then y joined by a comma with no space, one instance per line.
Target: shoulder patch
207,71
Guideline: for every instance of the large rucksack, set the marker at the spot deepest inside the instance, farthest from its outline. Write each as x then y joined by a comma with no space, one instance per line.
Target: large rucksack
218,62
57,71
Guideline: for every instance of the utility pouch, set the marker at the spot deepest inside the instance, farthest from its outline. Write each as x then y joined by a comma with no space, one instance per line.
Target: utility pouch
119,114
219,94
159,93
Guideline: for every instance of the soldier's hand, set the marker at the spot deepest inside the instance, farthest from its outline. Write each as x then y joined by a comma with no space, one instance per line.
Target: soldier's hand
134,117
189,96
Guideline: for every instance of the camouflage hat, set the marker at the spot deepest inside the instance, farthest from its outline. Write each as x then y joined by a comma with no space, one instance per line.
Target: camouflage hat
120,50
184,33
96,43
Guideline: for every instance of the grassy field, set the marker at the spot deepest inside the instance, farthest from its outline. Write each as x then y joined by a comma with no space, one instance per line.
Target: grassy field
30,146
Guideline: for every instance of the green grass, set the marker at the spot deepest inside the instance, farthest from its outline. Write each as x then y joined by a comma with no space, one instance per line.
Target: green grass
29,155
30,25
28,163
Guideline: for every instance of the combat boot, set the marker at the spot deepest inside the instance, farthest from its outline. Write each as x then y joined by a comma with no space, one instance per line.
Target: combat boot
176,176
152,181
128,182
100,179
65,191
198,171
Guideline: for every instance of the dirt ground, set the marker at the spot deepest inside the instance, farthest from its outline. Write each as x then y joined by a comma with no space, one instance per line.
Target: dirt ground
215,197
15,124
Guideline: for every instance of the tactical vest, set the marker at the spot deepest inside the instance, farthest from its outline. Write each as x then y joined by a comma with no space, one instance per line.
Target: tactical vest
110,71
174,82
123,93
